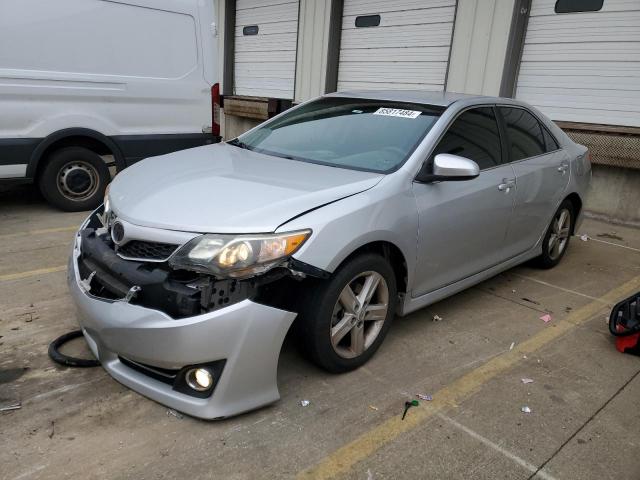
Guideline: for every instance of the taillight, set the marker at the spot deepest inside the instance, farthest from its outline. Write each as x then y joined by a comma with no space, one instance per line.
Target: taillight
215,109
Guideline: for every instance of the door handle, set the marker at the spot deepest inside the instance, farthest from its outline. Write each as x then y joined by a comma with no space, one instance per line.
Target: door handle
507,184
563,168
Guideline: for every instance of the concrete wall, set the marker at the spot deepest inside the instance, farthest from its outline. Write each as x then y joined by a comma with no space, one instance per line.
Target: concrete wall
480,39
313,40
614,195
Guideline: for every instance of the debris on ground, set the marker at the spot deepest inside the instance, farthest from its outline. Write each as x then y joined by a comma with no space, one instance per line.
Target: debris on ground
525,409
304,403
173,413
584,237
530,301
425,397
513,344
437,318
373,407
12,406
408,405
545,318
527,380
611,236
513,291
53,429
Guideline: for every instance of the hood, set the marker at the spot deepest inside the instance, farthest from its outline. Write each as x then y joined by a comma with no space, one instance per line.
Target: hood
225,189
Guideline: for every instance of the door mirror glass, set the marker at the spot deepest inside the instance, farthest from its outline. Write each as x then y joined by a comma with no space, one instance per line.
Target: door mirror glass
450,167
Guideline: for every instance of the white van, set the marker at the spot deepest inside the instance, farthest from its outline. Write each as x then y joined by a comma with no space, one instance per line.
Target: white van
89,84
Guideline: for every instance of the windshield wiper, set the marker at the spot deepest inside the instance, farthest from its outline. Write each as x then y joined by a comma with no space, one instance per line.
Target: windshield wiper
237,143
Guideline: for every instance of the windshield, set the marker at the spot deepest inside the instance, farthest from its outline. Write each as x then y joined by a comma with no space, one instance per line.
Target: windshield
359,134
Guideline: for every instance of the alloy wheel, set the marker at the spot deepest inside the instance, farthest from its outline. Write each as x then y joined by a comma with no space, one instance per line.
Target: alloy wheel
560,229
359,314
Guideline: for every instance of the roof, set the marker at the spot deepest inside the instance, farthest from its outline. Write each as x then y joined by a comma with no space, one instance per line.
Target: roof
443,99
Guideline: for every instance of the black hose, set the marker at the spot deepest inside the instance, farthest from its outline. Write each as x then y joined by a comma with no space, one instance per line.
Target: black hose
66,360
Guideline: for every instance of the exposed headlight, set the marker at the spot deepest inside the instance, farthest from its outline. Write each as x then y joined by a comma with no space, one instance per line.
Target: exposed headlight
238,256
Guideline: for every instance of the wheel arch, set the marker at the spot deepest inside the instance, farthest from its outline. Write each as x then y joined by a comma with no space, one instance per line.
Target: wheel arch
392,253
73,137
576,201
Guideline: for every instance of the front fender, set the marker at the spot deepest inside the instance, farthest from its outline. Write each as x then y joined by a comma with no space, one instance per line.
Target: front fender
383,213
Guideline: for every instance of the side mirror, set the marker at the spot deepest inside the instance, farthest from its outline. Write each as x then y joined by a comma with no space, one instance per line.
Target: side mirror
450,167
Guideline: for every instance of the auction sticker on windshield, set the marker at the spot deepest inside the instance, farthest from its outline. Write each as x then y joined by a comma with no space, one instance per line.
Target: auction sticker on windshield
397,112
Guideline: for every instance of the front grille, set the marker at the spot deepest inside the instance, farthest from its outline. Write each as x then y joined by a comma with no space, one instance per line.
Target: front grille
141,250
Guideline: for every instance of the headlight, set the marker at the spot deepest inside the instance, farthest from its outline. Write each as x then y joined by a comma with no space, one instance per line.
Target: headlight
238,256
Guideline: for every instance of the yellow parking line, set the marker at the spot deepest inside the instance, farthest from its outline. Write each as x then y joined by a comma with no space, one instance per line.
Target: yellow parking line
39,232
32,273
343,459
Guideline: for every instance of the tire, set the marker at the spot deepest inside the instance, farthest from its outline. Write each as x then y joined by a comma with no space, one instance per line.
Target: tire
554,246
74,179
323,311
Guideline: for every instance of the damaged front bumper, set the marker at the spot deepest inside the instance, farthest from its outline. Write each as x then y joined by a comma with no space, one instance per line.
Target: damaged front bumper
148,350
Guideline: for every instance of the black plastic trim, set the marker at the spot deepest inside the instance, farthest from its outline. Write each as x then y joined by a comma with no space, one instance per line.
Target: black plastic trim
137,147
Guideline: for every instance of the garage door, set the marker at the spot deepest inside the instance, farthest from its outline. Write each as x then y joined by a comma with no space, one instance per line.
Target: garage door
402,44
583,67
265,48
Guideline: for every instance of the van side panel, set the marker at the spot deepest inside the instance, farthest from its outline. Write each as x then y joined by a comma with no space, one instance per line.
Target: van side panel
133,71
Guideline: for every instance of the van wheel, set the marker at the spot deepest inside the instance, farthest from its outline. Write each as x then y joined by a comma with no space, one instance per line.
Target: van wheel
556,240
74,179
345,319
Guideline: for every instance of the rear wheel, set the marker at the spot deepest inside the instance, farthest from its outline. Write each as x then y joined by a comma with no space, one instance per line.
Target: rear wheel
74,179
345,319
556,240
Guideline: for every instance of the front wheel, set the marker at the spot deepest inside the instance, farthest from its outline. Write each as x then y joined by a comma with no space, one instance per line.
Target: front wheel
556,240
345,319
74,179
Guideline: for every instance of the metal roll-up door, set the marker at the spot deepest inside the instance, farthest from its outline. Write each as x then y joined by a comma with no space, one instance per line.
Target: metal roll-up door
402,44
583,67
265,48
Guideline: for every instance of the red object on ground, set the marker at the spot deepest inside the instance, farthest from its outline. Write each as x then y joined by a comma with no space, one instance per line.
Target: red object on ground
630,342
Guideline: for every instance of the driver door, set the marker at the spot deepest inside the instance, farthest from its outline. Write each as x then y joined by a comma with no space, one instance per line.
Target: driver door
462,225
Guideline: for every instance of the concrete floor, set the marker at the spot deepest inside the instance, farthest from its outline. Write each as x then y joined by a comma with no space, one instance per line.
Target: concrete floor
79,423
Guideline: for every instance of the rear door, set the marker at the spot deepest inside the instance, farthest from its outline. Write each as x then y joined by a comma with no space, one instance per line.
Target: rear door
542,173
463,224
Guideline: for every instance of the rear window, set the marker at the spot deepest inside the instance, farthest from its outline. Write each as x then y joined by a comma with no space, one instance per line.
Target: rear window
524,133
360,134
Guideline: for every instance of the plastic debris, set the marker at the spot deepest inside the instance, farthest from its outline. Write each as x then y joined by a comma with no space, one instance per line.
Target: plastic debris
425,397
173,413
304,403
545,318
373,407
408,405
513,344
437,318
525,409
584,237
527,380
13,406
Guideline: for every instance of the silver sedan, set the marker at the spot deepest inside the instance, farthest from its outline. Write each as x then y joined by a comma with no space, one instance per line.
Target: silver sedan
330,219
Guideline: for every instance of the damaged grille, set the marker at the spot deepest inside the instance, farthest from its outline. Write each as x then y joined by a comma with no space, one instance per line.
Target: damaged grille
142,250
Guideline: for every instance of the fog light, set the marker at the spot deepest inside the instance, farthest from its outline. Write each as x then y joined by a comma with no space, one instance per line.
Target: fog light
200,379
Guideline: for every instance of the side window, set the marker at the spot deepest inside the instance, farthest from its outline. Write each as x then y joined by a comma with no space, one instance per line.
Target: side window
550,142
524,133
474,135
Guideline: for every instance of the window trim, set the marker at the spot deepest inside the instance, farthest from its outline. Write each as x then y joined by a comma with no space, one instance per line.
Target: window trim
428,158
540,122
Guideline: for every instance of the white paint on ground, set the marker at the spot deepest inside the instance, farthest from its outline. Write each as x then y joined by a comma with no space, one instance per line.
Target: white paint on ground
520,461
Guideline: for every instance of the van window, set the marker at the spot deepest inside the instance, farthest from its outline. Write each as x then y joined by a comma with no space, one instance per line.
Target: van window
96,37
